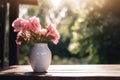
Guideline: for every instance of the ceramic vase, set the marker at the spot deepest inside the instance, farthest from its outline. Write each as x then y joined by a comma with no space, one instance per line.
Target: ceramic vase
40,57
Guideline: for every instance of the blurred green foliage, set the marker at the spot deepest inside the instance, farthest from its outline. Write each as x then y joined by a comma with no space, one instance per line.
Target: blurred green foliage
89,29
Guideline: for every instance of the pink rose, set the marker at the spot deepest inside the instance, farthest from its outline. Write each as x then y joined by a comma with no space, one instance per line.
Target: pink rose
43,32
20,24
35,24
28,26
53,33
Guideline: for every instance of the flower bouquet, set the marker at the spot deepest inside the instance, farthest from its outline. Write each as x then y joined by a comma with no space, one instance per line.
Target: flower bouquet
30,30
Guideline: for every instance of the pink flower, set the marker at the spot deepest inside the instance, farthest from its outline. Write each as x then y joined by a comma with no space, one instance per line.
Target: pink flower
27,27
35,24
20,24
18,42
19,35
43,32
53,33
22,36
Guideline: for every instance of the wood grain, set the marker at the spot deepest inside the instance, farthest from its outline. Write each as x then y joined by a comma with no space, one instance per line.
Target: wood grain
69,72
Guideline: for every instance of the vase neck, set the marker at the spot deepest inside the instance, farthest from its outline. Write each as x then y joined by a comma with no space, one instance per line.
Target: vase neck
40,44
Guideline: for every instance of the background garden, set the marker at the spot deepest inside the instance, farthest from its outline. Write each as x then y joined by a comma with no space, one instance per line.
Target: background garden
89,29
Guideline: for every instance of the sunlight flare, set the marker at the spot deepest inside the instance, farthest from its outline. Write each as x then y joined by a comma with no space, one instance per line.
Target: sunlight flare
56,3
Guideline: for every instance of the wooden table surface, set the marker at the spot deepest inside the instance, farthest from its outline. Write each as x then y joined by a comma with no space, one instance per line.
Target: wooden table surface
61,72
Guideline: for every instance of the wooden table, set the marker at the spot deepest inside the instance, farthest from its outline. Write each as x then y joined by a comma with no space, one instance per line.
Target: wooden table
63,72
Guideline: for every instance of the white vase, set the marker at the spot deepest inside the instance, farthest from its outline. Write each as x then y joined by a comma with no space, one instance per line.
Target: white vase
40,57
